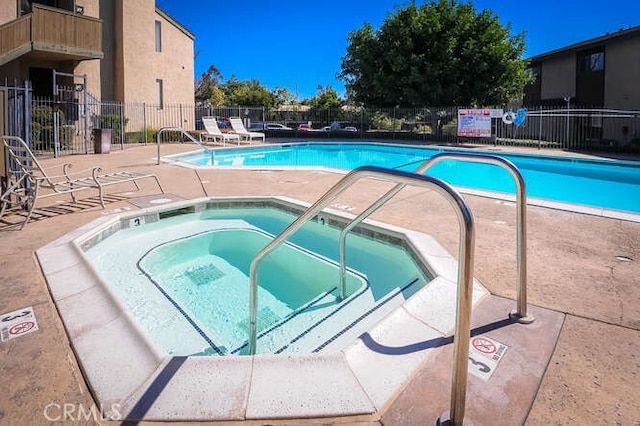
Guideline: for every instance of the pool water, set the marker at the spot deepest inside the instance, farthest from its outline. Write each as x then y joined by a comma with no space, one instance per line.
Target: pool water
185,281
207,274
606,184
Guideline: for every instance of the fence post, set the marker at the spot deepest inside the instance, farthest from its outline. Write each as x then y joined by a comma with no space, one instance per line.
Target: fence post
56,127
567,99
85,98
144,122
393,135
122,125
540,128
27,112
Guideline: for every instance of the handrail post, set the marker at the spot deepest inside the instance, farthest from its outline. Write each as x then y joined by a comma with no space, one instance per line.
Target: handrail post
180,129
520,313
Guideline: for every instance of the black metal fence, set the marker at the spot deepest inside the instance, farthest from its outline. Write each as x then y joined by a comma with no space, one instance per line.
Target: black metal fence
71,125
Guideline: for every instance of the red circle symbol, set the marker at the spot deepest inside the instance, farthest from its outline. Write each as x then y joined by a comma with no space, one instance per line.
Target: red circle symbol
483,345
21,328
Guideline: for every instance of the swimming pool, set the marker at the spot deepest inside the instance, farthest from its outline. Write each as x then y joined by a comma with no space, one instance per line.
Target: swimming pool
604,184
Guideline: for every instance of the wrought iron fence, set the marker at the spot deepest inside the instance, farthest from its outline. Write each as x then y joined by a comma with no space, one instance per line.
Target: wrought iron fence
586,129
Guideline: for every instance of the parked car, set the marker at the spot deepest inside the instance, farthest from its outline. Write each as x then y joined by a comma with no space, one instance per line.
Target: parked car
305,127
223,123
277,126
326,129
350,129
259,125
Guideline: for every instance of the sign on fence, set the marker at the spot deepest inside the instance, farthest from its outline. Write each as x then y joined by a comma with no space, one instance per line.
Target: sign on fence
476,123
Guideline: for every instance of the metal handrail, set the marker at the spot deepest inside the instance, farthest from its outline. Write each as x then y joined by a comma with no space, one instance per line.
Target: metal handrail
520,314
465,265
184,132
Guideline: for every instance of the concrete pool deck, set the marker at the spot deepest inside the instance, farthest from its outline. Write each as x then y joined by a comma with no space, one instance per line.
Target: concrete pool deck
582,289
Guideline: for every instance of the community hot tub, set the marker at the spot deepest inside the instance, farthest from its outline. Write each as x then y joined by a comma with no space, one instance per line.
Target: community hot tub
156,305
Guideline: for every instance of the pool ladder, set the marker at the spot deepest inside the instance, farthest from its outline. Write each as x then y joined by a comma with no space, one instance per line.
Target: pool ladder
455,415
184,133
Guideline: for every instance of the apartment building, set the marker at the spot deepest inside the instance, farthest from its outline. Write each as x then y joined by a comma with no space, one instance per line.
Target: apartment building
128,51
600,72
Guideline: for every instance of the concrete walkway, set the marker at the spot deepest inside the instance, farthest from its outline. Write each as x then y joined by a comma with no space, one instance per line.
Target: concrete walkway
583,284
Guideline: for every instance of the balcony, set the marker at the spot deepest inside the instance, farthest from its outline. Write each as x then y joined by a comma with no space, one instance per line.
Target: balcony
51,34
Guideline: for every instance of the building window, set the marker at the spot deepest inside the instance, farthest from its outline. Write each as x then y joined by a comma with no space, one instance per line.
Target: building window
160,94
596,61
158,36
591,62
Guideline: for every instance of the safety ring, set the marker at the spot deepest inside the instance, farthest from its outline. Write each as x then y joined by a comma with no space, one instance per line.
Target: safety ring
508,117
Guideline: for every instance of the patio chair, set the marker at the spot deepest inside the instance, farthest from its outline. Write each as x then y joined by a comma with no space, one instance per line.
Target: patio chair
214,133
239,129
26,181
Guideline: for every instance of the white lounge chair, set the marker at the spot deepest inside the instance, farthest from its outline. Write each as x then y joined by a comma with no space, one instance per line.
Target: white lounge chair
26,181
214,133
239,129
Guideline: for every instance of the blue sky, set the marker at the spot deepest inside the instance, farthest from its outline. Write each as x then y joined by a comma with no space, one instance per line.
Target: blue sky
299,44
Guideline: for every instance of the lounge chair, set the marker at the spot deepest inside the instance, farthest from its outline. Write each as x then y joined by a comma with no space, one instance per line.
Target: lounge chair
26,181
239,129
214,133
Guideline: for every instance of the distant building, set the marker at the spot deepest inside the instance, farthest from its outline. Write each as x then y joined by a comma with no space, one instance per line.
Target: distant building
130,50
603,72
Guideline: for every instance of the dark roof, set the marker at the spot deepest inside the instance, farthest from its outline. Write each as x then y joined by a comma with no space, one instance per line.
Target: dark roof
177,24
591,43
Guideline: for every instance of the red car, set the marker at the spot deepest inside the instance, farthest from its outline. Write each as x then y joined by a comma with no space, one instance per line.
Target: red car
305,127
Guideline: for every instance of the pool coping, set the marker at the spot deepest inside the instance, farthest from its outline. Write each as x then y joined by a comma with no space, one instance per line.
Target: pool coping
532,201
130,379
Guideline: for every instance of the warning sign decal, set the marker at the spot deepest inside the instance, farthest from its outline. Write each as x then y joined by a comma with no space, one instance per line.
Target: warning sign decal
17,323
484,356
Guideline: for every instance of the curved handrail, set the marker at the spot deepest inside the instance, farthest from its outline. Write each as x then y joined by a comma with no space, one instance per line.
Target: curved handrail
521,305
465,264
185,133
520,314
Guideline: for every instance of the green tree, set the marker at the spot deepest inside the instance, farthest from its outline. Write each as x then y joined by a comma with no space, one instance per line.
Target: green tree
218,98
282,96
440,53
327,97
206,84
248,93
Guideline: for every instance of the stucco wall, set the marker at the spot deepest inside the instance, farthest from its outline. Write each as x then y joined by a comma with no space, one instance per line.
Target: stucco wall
142,65
559,77
92,67
622,75
174,65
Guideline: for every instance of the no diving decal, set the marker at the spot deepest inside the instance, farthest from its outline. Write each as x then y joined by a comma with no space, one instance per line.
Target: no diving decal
484,356
17,323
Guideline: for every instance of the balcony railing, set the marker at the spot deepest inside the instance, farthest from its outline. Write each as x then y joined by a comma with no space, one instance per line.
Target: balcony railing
57,33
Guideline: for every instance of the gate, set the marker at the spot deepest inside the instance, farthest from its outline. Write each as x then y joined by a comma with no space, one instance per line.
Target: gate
15,120
15,109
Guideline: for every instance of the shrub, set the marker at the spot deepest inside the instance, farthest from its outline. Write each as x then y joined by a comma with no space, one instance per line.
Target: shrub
42,136
451,128
423,128
382,121
43,114
139,137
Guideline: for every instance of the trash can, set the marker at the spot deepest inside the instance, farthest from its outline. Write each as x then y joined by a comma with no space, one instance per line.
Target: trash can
102,141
